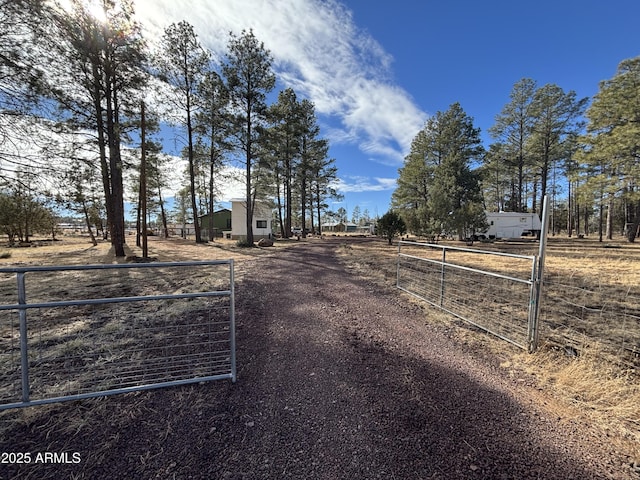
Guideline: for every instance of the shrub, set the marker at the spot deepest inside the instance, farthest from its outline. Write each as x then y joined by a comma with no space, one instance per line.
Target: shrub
242,242
391,224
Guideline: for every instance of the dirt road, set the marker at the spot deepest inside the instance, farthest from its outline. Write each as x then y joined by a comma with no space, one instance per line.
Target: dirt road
338,379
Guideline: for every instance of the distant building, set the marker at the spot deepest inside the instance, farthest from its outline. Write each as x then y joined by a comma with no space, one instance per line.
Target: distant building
262,219
231,224
221,223
338,227
179,229
71,228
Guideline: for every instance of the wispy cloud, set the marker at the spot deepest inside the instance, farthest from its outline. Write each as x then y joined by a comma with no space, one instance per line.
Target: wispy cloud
320,52
229,181
364,184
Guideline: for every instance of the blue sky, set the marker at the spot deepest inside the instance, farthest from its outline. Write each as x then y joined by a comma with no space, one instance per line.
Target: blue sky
376,70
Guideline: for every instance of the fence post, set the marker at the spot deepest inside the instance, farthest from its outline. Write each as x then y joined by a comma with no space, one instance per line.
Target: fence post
24,347
538,280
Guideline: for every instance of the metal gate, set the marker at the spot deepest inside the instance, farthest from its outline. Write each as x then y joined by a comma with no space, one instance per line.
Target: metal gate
96,330
501,299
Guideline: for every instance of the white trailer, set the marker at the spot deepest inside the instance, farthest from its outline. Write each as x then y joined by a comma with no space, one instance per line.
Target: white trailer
511,225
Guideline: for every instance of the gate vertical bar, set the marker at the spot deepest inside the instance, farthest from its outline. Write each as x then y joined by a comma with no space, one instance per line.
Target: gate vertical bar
24,347
531,320
444,259
232,321
398,265
539,280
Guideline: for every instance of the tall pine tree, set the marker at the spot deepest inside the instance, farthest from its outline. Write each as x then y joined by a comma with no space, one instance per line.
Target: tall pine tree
96,76
182,63
437,189
614,138
249,80
513,129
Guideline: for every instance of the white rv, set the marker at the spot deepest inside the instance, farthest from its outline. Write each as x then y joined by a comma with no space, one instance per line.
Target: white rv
511,225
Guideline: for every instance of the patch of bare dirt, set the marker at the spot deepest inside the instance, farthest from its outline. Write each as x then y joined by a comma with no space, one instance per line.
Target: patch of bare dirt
339,378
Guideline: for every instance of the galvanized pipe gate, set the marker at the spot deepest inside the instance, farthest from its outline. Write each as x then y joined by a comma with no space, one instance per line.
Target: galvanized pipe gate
504,301
81,348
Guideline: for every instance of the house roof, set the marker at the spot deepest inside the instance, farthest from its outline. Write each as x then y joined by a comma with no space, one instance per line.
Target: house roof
244,200
335,224
222,210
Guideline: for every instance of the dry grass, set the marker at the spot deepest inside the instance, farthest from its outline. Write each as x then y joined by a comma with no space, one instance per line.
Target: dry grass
593,384
588,381
70,250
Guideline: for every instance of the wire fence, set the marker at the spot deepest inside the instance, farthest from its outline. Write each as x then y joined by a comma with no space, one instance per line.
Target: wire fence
606,318
95,330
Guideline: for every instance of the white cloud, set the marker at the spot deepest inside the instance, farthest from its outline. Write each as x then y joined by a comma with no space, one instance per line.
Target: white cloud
364,184
229,181
231,184
317,50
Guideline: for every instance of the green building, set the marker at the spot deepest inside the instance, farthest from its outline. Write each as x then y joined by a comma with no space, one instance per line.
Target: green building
221,223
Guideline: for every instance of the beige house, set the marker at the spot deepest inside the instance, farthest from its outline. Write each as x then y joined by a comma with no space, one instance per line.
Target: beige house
262,219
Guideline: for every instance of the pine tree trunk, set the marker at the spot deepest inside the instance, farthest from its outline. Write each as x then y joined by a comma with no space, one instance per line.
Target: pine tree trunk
88,222
249,206
192,175
138,220
609,230
143,182
632,231
115,168
569,212
163,214
288,198
303,205
586,221
279,201
318,207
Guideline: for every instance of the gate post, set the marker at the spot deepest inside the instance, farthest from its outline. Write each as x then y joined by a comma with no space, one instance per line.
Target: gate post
538,280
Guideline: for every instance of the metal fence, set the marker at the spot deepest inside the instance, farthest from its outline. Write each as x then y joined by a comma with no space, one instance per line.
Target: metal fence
501,297
97,330
603,318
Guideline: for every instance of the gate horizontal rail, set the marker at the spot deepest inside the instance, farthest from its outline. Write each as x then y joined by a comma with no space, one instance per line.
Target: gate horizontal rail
124,337
502,304
469,269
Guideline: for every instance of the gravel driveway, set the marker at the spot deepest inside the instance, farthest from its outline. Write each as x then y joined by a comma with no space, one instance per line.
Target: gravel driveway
338,379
